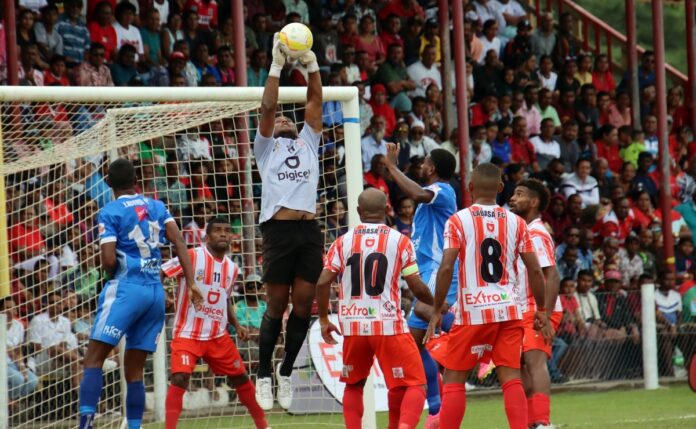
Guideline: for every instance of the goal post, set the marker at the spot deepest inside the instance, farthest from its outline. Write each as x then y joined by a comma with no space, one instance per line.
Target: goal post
58,141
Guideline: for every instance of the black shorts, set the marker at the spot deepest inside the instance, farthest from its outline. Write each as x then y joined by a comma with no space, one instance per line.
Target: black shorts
291,248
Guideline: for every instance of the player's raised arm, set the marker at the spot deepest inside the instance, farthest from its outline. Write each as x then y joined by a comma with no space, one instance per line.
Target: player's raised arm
174,236
269,101
412,189
313,112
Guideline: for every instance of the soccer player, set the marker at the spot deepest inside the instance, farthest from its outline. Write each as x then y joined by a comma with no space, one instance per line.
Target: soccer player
370,259
201,331
131,230
436,201
292,240
487,239
529,200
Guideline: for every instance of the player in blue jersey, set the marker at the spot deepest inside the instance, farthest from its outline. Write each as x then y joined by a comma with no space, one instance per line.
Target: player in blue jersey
436,201
131,230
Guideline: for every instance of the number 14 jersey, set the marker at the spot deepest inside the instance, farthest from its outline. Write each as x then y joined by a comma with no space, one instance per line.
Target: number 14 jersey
489,240
371,258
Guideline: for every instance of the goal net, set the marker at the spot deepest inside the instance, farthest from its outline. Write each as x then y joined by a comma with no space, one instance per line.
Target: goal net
192,150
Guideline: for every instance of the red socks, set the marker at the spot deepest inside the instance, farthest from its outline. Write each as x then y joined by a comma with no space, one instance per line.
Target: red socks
453,405
394,398
540,412
353,406
247,396
411,407
173,405
530,411
515,404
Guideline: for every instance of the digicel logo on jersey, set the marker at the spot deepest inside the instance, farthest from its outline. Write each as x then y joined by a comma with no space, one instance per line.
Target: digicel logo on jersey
354,310
209,310
484,298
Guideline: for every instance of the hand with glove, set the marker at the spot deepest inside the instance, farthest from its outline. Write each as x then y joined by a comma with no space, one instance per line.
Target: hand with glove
279,57
309,60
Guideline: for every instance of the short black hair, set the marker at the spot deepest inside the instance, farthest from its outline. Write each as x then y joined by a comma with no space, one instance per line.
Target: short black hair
121,174
217,220
444,163
539,190
585,273
124,6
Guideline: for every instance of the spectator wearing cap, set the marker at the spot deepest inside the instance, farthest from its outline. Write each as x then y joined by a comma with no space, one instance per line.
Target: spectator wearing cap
472,44
606,258
101,31
616,309
529,111
582,183
207,11
519,48
421,144
47,38
373,143
380,107
74,33
425,72
546,148
490,40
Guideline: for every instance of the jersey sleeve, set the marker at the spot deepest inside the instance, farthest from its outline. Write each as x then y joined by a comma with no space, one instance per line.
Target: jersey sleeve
409,266
311,137
172,268
543,246
453,233
435,189
333,261
233,278
108,227
524,241
261,145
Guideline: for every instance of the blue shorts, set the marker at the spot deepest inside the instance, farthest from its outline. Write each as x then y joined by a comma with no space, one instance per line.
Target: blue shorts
416,322
135,310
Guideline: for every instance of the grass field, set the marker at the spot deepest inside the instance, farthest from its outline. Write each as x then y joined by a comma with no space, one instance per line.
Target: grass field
666,408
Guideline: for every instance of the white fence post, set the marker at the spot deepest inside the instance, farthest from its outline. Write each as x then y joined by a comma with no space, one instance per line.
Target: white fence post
4,394
159,369
649,337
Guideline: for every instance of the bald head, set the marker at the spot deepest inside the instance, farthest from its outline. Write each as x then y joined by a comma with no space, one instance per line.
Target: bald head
372,205
486,180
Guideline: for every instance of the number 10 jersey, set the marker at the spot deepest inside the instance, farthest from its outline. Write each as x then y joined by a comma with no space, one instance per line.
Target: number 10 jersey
370,259
489,240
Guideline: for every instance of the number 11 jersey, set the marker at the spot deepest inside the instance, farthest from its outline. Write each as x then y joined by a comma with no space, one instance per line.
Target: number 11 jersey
489,240
371,258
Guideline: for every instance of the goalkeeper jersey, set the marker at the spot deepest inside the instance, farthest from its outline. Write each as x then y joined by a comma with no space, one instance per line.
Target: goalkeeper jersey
289,172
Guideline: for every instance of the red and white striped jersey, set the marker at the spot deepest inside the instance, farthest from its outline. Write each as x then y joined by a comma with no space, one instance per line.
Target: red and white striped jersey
546,253
215,278
371,258
489,240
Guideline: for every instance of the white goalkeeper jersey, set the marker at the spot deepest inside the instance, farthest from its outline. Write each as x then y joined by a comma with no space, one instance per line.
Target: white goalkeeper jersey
289,172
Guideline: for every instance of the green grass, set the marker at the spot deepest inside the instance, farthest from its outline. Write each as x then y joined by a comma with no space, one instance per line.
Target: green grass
667,408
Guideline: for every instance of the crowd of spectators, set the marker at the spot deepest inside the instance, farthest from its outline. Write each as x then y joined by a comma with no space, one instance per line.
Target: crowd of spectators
539,106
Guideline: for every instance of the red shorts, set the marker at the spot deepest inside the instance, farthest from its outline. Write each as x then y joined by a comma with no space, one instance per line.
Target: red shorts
468,345
533,340
397,355
220,354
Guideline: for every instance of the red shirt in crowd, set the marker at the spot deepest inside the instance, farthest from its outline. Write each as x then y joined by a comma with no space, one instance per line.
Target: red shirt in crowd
25,238
603,81
104,35
611,154
52,80
611,226
387,112
207,13
522,151
397,8
390,39
478,116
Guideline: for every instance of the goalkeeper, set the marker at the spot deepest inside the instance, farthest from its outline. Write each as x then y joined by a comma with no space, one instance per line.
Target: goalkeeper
288,162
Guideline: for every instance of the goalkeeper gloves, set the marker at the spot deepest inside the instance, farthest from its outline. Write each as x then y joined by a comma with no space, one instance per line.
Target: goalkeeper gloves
309,60
279,58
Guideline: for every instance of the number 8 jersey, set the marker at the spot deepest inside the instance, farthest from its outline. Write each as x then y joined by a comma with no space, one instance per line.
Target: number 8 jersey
371,258
489,240
137,225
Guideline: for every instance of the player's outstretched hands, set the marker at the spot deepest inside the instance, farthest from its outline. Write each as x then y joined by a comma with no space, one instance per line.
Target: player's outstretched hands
393,150
309,60
434,327
195,295
326,329
279,57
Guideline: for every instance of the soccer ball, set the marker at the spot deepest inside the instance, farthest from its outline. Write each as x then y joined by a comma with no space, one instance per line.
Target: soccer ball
296,39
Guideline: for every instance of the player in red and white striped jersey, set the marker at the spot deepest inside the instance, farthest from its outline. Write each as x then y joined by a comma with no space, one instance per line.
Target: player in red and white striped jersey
529,200
487,240
370,259
201,331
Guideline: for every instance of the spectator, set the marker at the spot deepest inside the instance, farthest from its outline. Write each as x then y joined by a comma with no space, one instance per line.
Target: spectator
171,33
684,259
152,41
619,114
668,304
380,107
519,48
390,31
602,77
88,277
546,148
366,112
482,112
643,179
55,346
393,75
580,182
566,47
250,310
529,111
207,11
589,306
522,151
404,221
55,75
480,151
501,146
544,39
28,72
368,42
425,72
373,143
586,107
47,38
631,143
645,252
430,38
557,219
651,142
567,80
490,10
225,66
335,220
490,39
472,44
126,32
375,176
101,31
584,73
630,262
326,44
569,266
675,108
570,151
25,29
606,258
403,8
201,59
124,71
352,69
619,222
646,72
616,309
552,175
608,147
21,381
421,145
572,325
546,109
643,209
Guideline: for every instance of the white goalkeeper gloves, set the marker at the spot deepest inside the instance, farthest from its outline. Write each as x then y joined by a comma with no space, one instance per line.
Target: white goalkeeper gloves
279,58
309,60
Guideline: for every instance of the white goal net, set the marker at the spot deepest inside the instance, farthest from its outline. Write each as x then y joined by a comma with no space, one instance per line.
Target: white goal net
192,150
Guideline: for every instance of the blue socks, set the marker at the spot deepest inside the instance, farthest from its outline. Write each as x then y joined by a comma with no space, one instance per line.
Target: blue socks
90,391
433,386
135,404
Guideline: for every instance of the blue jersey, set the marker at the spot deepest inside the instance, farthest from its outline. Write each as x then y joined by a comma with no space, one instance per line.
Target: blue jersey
137,225
429,226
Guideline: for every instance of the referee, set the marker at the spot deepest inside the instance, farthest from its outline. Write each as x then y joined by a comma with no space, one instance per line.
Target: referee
288,162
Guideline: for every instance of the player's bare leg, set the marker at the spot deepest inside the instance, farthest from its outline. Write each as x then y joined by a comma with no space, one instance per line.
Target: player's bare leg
537,385
513,396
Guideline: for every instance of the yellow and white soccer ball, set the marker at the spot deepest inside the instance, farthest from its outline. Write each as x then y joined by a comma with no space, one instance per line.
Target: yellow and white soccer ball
296,39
